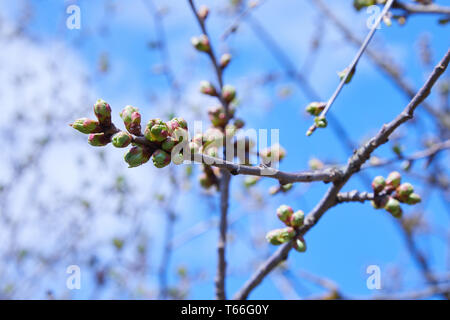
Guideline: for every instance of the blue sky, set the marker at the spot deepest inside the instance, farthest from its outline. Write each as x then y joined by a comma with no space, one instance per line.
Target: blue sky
349,237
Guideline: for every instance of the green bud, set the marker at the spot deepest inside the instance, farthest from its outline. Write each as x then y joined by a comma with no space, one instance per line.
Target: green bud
250,181
225,60
413,198
201,43
102,111
217,116
156,130
273,151
279,236
393,207
121,139
168,144
161,158
378,184
137,156
286,187
98,139
207,87
228,93
300,244
315,108
343,73
359,4
296,219
272,237
403,191
132,119
284,213
393,180
321,122
86,125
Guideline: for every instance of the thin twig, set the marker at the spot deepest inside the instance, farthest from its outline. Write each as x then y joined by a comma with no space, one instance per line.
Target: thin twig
354,164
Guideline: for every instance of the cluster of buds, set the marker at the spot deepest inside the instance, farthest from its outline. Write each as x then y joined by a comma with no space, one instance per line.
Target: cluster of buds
292,220
160,137
390,192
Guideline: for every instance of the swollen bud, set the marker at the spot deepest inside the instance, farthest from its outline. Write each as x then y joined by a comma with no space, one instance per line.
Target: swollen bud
206,87
136,156
315,108
393,180
300,244
279,236
176,123
86,125
132,120
393,207
343,74
201,43
225,60
98,139
161,158
102,111
156,130
296,219
413,198
250,181
203,12
228,93
378,184
217,116
121,139
284,213
273,152
359,4
403,191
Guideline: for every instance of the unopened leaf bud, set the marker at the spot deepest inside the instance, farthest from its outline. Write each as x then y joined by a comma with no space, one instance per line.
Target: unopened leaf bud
86,125
378,184
413,198
121,139
296,219
225,60
228,93
342,74
321,122
393,207
102,111
201,43
315,108
299,244
132,120
156,130
207,88
284,213
98,139
137,156
161,158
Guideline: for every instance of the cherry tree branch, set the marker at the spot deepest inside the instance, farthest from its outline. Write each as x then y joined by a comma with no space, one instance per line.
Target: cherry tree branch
431,8
354,164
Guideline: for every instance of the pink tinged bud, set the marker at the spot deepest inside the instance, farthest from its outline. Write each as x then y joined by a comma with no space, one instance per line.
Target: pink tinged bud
296,219
203,12
228,93
284,213
299,244
98,139
156,130
102,111
225,60
272,237
132,120
393,207
137,156
413,198
161,158
286,234
403,191
176,123
315,108
321,122
378,184
86,125
206,87
393,180
121,139
217,116
201,43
